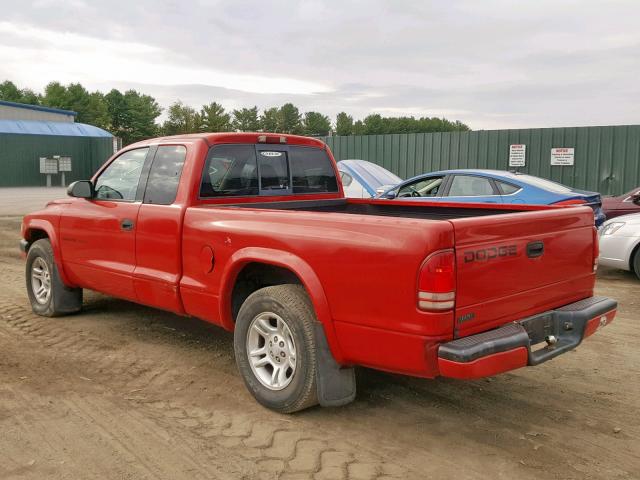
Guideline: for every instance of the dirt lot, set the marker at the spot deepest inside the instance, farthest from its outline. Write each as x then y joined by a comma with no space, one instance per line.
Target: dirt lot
123,391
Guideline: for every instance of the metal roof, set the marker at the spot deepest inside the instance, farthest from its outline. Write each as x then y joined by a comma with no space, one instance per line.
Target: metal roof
39,127
38,108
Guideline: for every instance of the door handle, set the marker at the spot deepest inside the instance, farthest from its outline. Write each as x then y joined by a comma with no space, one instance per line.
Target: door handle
535,249
126,224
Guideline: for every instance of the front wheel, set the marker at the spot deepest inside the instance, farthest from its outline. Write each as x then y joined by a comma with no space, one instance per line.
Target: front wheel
275,348
49,297
636,262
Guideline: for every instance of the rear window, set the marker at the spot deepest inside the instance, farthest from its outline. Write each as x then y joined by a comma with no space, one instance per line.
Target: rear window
274,170
507,188
312,170
243,170
230,170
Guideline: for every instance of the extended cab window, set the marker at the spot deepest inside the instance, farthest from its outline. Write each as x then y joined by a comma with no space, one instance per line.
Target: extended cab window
120,179
164,175
230,170
312,170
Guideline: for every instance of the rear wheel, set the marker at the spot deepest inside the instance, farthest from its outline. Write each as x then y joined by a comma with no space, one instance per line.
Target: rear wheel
275,348
48,295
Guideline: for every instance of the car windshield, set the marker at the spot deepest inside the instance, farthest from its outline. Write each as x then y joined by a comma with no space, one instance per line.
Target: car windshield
544,184
374,175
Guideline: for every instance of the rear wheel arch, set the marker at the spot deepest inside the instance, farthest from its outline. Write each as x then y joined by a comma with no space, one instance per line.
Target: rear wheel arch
285,266
256,275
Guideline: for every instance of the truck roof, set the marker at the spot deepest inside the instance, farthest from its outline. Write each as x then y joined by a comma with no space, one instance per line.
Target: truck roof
237,137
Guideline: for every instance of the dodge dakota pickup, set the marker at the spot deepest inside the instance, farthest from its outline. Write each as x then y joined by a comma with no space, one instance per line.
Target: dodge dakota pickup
252,232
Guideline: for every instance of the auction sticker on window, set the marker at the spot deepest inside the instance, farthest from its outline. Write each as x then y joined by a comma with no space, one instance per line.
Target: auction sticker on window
562,156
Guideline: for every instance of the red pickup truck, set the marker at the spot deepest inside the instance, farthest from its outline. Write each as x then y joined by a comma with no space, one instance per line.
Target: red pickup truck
252,232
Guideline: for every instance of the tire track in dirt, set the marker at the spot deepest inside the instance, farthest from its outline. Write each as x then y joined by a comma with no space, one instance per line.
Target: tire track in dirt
266,448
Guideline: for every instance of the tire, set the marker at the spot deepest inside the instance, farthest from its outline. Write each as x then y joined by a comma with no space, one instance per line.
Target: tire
635,262
49,297
283,310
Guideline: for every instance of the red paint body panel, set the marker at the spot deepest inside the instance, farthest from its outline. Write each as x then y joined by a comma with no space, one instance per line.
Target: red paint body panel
97,253
361,271
499,282
484,366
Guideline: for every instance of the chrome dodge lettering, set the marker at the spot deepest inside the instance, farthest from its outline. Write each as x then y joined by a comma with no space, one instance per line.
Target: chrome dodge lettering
490,253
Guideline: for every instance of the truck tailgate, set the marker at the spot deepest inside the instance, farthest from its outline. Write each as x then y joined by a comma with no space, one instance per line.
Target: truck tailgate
514,265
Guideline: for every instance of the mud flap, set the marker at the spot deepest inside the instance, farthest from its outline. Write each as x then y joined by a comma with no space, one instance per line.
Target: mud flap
336,385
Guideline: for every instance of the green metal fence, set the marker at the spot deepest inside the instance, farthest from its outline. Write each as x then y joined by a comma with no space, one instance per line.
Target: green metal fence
20,157
607,159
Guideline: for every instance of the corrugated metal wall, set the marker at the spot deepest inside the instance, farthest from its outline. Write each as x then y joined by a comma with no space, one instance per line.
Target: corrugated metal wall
20,157
607,159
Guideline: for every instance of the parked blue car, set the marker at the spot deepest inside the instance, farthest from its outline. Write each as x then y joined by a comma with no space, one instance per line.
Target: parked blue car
363,179
493,186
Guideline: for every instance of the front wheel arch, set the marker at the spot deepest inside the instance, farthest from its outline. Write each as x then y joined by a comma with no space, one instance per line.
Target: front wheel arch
38,229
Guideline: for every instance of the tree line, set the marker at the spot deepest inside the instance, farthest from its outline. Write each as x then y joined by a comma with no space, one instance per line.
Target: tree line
133,116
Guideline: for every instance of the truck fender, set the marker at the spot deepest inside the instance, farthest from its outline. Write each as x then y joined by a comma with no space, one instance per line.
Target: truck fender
47,227
295,264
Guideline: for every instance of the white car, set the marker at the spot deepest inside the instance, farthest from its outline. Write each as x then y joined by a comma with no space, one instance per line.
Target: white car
620,243
363,179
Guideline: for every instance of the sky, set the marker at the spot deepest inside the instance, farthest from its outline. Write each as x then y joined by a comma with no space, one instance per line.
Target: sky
490,64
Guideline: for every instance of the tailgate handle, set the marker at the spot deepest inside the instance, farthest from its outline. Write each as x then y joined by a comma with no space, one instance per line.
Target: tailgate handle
535,249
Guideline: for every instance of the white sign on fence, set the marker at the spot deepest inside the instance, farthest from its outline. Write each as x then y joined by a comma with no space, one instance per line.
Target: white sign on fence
64,164
517,155
48,166
562,156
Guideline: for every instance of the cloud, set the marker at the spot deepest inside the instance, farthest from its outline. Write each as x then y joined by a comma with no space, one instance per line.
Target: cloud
491,64
37,55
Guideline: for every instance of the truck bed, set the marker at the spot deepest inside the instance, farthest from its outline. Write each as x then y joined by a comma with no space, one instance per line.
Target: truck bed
504,254
385,208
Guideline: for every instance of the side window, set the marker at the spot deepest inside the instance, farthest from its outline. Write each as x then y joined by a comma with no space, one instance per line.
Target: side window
120,179
230,170
274,170
470,186
312,171
507,188
427,187
164,175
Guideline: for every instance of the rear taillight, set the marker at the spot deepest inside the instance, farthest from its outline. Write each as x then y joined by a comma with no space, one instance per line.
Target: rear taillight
575,201
437,282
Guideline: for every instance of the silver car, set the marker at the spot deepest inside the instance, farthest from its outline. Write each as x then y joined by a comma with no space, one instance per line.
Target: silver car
620,243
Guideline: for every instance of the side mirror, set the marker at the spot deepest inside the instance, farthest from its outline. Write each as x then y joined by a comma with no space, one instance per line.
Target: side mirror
391,195
81,189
